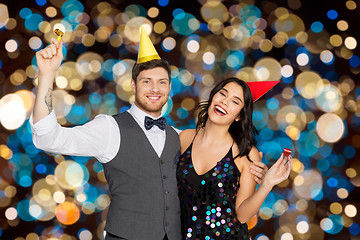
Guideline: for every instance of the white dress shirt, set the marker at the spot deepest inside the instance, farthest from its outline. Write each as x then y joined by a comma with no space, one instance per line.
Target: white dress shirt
99,138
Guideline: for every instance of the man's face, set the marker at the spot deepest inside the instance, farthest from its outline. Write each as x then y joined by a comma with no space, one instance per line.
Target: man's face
151,90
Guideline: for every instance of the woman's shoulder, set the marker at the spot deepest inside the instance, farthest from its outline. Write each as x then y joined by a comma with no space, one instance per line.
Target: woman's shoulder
186,137
188,133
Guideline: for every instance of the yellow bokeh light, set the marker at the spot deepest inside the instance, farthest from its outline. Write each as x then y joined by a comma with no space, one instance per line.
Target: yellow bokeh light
10,191
342,25
159,27
309,84
51,12
5,152
351,5
76,84
188,103
342,193
88,40
299,180
69,174
214,10
330,127
267,69
335,208
32,236
153,12
289,23
280,39
351,172
265,45
336,40
132,28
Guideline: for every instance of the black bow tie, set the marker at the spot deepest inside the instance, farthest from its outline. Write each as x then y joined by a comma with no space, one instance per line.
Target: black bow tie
149,123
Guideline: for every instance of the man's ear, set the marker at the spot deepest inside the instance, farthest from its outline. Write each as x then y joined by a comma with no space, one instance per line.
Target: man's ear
133,85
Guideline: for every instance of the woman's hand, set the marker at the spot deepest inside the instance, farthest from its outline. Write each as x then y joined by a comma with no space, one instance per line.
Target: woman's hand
258,169
278,172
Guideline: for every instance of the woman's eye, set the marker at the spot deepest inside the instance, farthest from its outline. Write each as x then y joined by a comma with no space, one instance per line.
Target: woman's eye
236,102
222,94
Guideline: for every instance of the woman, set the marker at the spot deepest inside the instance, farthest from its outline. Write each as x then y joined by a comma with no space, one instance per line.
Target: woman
215,181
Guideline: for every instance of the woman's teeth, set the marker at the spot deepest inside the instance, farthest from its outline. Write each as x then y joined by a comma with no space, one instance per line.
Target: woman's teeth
220,110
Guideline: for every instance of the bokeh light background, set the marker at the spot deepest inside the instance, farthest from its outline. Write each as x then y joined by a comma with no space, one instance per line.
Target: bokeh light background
315,110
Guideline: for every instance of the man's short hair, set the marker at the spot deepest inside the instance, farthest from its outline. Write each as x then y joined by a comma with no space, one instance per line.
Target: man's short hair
139,67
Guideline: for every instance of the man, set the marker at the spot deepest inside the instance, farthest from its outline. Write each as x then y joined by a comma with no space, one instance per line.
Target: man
137,149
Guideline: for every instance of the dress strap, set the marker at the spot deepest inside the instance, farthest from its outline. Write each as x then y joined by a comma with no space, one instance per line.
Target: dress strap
197,130
231,150
237,156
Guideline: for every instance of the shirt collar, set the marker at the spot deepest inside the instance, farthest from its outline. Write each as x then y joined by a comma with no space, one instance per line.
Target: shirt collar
139,114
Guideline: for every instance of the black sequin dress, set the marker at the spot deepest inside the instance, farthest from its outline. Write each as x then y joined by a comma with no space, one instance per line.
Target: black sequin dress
208,200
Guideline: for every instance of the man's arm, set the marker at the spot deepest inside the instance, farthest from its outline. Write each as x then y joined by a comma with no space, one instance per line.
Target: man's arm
48,61
99,138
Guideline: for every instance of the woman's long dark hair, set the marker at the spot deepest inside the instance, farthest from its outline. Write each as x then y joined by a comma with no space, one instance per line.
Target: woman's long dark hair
241,131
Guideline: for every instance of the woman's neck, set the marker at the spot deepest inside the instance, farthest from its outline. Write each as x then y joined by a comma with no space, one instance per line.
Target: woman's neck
212,132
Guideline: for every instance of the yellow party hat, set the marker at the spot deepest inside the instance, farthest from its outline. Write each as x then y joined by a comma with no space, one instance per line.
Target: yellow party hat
147,50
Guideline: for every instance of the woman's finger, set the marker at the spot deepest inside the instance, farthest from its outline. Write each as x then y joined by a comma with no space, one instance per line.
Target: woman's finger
279,161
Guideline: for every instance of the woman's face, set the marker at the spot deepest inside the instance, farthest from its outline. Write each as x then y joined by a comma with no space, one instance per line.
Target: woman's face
226,104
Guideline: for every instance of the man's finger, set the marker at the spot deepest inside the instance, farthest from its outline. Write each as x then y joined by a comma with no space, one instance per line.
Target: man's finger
258,174
43,53
49,52
260,164
257,169
56,42
53,49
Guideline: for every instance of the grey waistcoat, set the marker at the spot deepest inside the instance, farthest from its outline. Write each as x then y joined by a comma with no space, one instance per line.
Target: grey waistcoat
144,197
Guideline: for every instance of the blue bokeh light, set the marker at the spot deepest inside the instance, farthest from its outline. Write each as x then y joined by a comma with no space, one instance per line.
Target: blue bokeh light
354,61
317,27
40,2
25,13
163,3
332,14
32,22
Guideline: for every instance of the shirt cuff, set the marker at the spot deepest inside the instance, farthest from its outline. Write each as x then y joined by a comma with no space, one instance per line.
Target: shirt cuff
44,125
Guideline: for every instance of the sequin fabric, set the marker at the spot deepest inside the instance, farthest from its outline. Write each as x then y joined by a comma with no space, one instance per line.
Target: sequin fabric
208,201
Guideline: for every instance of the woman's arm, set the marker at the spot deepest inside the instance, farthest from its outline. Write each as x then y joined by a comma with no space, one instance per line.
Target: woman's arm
249,202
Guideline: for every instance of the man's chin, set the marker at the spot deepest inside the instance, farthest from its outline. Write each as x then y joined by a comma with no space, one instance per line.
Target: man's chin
153,108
